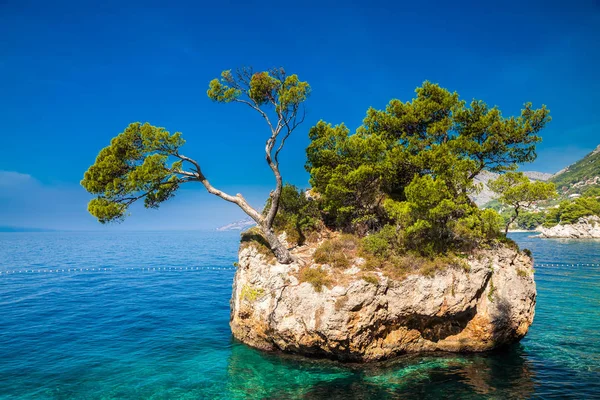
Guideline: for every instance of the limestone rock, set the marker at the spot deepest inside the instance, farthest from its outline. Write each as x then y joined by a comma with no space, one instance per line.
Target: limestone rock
485,195
585,228
457,310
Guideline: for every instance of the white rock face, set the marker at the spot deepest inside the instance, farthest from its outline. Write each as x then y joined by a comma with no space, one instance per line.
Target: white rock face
585,228
486,195
457,310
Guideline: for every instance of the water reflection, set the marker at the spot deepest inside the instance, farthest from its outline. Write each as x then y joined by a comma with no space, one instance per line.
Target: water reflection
502,374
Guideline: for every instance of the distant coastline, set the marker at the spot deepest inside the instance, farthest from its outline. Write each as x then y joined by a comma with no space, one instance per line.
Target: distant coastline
237,225
585,228
24,229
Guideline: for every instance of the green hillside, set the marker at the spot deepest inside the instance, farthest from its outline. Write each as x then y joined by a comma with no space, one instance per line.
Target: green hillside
580,175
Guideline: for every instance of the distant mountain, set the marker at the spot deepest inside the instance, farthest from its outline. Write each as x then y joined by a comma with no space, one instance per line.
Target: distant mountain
579,175
538,176
238,225
486,195
572,179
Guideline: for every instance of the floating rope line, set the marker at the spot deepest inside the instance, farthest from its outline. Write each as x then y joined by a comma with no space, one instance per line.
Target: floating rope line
150,269
180,269
557,264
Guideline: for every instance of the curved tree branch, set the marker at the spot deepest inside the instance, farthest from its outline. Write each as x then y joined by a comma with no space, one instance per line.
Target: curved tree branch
237,199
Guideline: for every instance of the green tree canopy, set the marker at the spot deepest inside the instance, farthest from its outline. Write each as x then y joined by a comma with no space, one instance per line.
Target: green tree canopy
518,192
530,220
569,211
298,215
423,154
140,163
145,162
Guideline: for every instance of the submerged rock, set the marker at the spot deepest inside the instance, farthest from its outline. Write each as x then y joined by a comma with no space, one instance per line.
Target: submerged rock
488,304
585,228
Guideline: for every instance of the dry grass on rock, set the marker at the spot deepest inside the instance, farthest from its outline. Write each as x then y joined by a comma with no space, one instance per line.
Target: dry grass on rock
339,252
318,277
255,238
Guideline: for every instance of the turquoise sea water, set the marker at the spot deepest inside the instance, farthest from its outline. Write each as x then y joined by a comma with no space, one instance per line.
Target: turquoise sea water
163,333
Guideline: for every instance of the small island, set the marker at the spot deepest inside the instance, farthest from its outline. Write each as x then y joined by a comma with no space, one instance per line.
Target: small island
331,302
386,253
390,254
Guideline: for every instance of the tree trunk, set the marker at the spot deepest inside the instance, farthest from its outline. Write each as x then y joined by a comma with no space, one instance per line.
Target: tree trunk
515,216
281,252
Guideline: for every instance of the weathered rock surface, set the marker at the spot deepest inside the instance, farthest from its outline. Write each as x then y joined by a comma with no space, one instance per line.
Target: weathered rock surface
456,310
486,195
585,228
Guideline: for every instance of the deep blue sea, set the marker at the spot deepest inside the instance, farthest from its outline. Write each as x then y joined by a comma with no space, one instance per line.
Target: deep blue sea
145,316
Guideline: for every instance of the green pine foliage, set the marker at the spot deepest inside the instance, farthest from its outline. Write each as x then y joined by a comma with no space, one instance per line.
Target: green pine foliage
409,170
569,211
530,220
516,191
137,164
286,92
298,216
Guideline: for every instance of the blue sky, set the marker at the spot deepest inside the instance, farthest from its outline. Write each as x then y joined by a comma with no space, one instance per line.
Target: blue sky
74,74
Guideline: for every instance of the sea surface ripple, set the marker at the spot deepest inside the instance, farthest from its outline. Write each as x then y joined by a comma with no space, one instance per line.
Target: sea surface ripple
144,315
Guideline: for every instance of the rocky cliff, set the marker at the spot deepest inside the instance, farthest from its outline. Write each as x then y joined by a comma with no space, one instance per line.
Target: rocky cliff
585,228
486,195
483,305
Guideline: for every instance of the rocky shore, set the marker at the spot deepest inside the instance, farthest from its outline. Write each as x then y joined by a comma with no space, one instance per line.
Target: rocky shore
486,304
585,228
